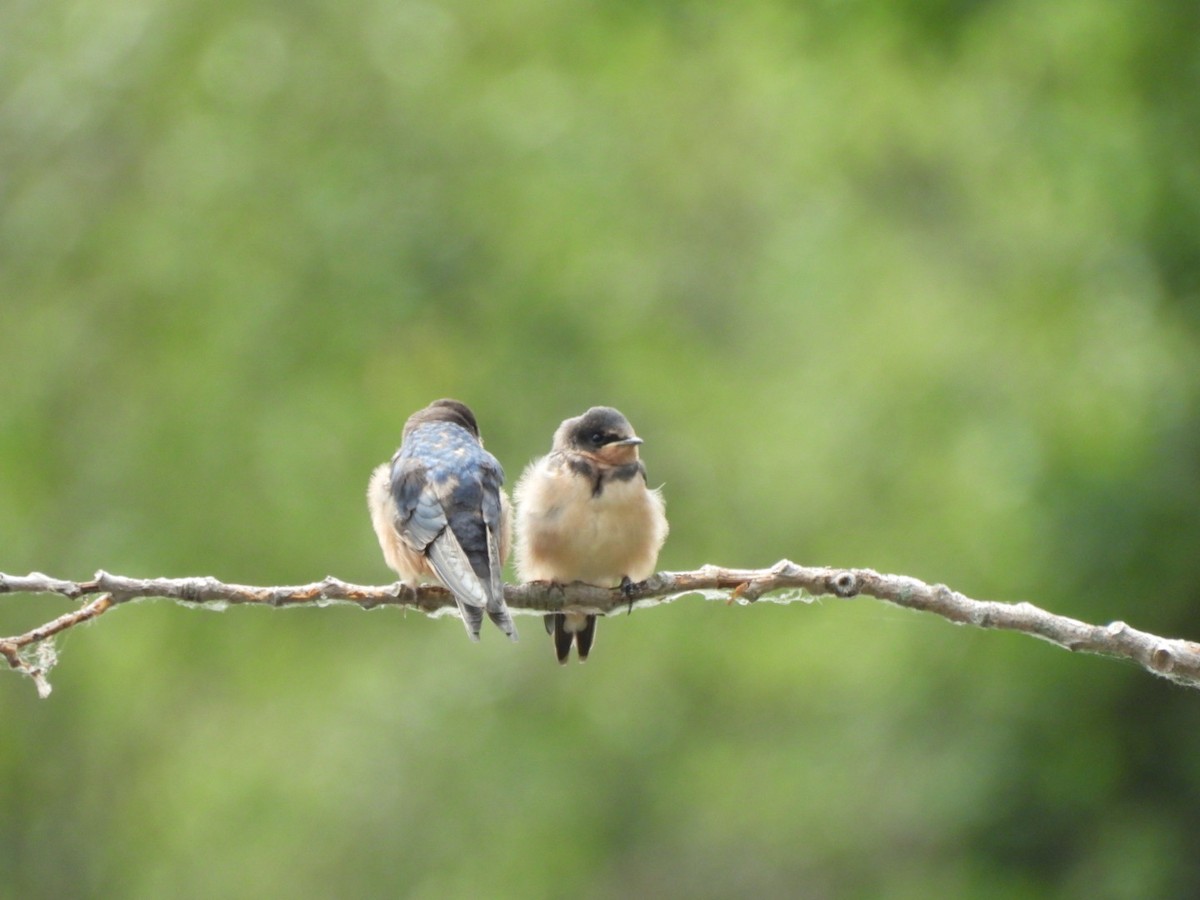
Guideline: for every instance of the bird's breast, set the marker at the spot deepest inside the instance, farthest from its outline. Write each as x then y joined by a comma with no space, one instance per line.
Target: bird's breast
568,531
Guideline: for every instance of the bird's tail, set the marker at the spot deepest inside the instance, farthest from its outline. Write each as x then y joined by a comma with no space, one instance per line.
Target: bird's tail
503,619
472,617
473,594
571,628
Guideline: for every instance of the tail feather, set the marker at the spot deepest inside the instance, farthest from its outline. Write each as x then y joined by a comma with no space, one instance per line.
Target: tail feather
584,638
453,567
569,629
503,619
562,638
472,617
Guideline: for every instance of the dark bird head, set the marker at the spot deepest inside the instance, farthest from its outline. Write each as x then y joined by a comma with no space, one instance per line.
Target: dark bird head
451,411
601,432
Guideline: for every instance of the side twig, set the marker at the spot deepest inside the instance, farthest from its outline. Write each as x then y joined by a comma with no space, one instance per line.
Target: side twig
32,653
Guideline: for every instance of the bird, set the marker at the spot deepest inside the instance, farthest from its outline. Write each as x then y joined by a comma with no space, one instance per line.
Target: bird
439,509
585,513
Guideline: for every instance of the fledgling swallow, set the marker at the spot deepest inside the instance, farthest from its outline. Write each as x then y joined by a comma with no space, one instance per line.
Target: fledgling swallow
585,513
439,510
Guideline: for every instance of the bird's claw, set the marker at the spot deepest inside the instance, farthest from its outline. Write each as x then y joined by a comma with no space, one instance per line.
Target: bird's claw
627,590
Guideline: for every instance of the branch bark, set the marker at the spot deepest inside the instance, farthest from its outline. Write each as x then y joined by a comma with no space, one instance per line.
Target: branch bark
32,653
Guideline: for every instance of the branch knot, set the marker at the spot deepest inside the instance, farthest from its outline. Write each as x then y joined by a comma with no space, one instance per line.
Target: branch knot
844,584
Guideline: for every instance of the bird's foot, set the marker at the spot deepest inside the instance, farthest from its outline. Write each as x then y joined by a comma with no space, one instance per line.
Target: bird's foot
627,590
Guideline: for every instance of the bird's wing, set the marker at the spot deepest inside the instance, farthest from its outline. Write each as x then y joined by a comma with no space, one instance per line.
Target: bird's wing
424,526
420,517
453,566
492,511
424,508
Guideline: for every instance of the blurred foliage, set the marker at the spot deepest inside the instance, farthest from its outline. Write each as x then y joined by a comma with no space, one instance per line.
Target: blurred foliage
903,285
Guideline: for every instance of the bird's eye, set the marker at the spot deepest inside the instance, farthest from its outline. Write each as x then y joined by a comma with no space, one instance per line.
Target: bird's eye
597,437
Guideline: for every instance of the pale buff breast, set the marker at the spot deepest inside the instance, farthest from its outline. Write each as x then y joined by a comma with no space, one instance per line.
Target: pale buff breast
566,534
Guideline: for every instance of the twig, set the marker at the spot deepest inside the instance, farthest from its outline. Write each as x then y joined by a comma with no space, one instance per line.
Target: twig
1178,660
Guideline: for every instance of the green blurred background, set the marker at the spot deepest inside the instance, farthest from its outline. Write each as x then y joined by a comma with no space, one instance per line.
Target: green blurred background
903,285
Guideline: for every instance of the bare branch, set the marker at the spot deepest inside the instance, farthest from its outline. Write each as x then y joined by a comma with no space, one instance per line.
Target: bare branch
1178,660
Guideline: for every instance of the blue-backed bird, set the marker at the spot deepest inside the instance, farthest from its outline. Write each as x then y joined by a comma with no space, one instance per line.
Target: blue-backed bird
439,509
585,513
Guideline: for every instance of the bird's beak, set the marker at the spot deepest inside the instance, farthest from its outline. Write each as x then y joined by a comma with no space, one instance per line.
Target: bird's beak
628,442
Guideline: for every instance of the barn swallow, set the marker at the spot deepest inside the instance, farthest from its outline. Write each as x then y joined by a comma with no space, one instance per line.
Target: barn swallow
584,513
439,509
